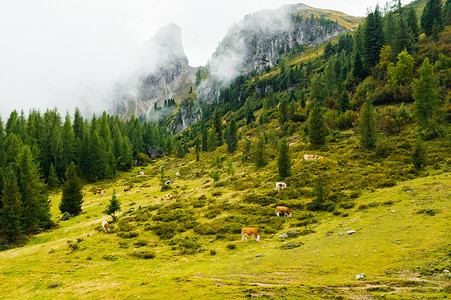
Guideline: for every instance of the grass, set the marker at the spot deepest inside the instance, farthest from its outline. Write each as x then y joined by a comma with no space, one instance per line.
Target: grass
189,245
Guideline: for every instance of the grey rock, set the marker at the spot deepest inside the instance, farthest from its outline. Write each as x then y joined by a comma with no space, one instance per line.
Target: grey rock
360,276
283,236
350,232
258,255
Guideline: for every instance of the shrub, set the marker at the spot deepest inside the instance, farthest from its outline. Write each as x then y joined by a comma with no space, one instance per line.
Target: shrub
215,175
144,254
231,246
426,211
127,235
212,252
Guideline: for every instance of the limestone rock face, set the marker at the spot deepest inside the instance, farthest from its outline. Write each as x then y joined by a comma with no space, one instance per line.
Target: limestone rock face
260,39
164,74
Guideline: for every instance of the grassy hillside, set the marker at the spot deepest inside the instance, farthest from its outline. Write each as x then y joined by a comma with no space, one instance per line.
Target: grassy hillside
190,245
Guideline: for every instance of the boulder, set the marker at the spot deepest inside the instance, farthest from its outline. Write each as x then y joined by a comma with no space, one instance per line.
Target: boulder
350,232
360,276
283,235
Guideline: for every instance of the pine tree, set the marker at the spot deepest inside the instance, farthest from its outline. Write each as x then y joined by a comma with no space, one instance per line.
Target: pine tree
418,154
212,141
204,140
113,207
373,38
425,95
321,195
284,161
197,145
316,126
2,143
72,198
250,117
11,212
230,168
283,112
232,139
447,13
52,179
432,14
368,125
78,124
35,202
412,21
260,152
217,125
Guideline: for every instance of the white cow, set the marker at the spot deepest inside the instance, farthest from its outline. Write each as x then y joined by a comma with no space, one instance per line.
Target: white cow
105,226
281,185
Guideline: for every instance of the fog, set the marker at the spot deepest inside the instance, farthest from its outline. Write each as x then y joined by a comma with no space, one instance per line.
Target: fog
70,53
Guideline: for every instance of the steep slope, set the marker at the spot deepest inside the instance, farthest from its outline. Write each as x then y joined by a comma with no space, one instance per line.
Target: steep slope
260,39
164,74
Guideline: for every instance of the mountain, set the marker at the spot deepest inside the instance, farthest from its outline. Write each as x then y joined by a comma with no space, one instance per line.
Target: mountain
164,74
251,45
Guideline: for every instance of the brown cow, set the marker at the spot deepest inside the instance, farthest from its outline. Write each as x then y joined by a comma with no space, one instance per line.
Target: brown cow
155,196
100,192
250,231
105,226
127,189
283,209
281,185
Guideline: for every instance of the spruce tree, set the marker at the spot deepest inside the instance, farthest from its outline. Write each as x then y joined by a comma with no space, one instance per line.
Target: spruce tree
284,161
321,195
425,95
212,141
250,117
197,145
283,112
316,126
260,152
35,202
232,139
113,207
368,125
72,197
432,14
373,38
217,125
11,212
412,21
52,179
204,140
447,13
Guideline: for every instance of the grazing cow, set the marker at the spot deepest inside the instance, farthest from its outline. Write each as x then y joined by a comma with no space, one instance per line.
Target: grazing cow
127,189
105,226
177,174
155,196
140,173
281,185
283,209
167,196
250,231
168,182
100,192
311,156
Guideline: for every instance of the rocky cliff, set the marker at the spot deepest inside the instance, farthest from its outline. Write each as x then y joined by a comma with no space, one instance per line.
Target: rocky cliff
260,39
164,74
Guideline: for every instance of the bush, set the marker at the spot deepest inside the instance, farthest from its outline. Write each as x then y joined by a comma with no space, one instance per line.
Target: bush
215,175
212,252
231,246
426,211
144,254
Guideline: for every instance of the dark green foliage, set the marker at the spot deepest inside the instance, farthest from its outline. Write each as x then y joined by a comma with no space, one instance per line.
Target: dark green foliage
260,152
72,197
412,21
447,13
232,139
250,117
316,126
11,212
52,180
204,140
284,161
283,112
217,125
113,206
425,94
321,196
373,38
432,14
368,125
419,154
35,202
197,145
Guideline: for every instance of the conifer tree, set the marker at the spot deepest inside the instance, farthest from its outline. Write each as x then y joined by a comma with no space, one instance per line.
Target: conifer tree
321,195
368,125
283,112
260,152
72,197
2,143
316,126
217,125
52,179
250,117
425,95
197,145
11,212
432,14
284,161
246,151
447,13
78,124
35,202
113,206
418,154
358,70
373,38
412,21
232,139
204,140
212,140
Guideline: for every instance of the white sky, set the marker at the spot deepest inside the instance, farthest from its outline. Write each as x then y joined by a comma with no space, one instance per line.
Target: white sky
68,53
